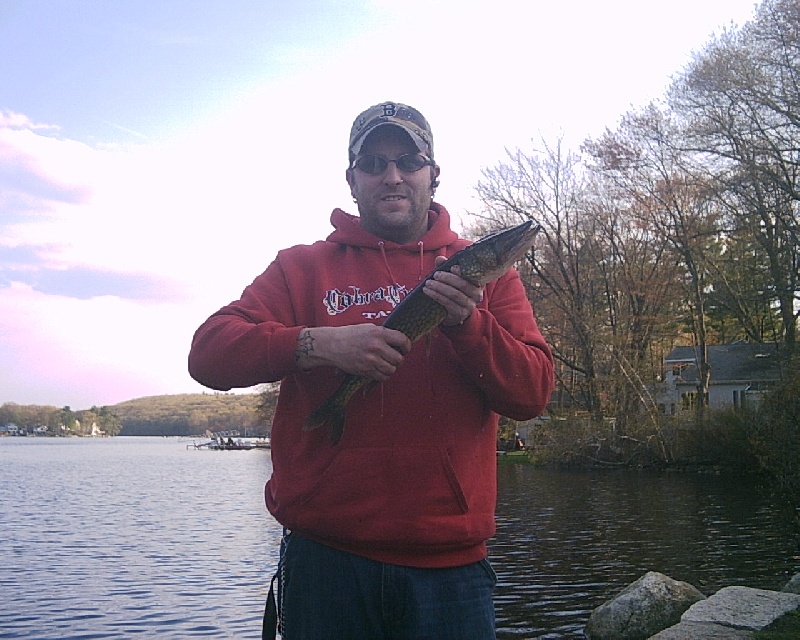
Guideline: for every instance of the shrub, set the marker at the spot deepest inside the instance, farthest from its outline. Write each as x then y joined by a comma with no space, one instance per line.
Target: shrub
775,436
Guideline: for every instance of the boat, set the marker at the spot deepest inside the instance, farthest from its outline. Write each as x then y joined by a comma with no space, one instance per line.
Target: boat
224,441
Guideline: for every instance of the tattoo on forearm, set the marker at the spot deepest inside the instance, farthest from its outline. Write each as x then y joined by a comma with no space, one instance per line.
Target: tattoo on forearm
305,344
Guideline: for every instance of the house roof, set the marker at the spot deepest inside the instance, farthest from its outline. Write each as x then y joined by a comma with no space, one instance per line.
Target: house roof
737,362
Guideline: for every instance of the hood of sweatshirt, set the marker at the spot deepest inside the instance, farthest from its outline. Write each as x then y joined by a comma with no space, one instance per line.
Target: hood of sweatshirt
348,231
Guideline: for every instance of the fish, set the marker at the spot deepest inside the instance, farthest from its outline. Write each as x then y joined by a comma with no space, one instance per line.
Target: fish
417,315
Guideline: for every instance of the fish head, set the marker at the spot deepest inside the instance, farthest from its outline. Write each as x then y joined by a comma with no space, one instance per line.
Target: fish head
494,254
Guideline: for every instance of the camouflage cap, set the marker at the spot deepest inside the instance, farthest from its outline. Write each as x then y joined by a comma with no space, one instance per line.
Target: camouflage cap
394,113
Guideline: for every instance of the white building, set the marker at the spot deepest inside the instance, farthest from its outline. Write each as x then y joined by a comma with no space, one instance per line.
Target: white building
740,373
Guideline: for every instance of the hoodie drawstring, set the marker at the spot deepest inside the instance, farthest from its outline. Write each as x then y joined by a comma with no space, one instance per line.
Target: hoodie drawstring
386,262
421,271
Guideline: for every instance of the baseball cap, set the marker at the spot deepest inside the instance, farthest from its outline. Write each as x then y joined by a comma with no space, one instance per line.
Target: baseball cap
397,114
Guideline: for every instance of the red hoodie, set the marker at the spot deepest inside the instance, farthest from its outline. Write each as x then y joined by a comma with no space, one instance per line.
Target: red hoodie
413,480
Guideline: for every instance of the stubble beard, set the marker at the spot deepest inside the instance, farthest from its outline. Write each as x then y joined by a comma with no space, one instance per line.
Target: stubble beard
397,225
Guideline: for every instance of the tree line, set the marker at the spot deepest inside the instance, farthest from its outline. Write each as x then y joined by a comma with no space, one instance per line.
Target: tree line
170,415
60,421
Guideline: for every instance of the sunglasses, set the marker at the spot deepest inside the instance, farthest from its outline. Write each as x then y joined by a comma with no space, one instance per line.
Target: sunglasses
376,165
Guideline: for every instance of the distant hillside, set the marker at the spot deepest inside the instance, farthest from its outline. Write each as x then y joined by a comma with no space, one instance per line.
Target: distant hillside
190,414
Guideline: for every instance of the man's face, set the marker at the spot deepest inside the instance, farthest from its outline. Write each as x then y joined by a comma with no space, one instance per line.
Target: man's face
393,205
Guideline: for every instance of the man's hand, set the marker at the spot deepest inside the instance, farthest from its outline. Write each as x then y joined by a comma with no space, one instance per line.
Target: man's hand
365,350
458,296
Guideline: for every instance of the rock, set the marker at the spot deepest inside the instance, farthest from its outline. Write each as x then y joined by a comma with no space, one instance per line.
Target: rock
700,631
743,608
649,605
793,586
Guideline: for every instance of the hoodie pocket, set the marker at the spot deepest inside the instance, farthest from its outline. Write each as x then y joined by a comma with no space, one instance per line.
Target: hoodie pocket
387,498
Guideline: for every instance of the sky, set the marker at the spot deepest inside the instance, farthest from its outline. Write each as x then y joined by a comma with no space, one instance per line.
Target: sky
155,156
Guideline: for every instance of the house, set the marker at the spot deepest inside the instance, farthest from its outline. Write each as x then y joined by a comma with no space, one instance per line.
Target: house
12,430
740,373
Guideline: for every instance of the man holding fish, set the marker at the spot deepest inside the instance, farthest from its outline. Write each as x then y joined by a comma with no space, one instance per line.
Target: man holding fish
405,343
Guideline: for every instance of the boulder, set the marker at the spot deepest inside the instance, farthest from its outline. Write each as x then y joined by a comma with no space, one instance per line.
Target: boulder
649,605
743,608
793,586
700,631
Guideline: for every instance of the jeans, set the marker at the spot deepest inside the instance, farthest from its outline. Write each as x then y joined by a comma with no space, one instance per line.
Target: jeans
325,594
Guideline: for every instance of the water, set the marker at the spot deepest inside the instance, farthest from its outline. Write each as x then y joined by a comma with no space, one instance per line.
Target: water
127,537
567,541
140,537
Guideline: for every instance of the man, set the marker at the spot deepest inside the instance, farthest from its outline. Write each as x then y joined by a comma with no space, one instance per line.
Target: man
387,529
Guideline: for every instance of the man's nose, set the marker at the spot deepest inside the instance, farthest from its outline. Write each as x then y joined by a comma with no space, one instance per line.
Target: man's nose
392,175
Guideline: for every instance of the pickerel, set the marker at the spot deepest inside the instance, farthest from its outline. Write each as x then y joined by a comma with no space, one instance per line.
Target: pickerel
417,314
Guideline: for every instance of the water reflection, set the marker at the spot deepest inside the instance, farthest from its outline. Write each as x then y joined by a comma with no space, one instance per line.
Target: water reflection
566,541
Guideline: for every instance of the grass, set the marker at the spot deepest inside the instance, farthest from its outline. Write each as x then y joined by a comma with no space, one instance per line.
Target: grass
787,627
517,457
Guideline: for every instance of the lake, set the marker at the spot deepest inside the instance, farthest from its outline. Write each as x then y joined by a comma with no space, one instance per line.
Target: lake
127,537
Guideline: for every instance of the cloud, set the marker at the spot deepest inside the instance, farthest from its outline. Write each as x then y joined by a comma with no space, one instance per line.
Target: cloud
11,120
31,266
23,179
110,258
66,351
52,233
84,283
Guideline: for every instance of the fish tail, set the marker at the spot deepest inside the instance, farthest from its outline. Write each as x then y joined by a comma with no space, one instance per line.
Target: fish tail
330,412
336,427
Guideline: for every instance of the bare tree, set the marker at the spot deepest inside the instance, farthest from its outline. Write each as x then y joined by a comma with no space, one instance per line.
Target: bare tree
641,158
740,100
598,279
642,296
548,186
